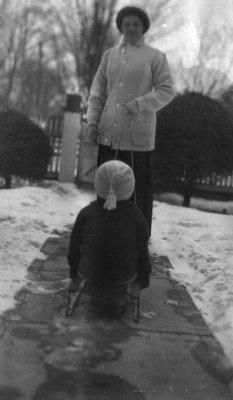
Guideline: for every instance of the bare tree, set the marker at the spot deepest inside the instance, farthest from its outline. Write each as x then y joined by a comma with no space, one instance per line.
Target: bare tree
81,33
165,17
8,61
210,75
29,78
16,36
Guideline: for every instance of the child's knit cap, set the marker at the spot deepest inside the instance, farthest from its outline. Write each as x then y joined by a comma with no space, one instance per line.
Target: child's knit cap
114,181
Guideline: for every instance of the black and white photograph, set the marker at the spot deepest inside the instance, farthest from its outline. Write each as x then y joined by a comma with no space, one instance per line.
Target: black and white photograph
116,200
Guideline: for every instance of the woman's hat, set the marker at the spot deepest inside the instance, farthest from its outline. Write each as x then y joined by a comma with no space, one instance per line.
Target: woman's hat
114,181
132,10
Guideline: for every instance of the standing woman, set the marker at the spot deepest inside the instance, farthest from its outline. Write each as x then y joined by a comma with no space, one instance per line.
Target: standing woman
132,83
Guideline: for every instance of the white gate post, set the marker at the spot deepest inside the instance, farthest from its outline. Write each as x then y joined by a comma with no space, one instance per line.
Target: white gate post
71,131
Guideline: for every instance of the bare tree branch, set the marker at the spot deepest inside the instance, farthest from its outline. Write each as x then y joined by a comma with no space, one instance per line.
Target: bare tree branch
83,30
211,75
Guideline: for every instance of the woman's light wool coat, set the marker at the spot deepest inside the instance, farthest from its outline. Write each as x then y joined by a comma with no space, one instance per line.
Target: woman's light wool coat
139,73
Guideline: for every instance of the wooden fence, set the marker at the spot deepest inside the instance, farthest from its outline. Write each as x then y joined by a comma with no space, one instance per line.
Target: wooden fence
217,182
54,131
87,159
216,186
86,152
214,182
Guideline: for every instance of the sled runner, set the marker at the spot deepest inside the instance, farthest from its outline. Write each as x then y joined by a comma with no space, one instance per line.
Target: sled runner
74,296
130,290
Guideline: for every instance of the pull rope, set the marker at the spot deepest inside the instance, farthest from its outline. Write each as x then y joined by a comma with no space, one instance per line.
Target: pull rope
111,200
132,166
132,157
131,150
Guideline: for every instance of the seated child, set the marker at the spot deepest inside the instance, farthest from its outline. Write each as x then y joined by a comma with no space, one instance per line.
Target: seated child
109,239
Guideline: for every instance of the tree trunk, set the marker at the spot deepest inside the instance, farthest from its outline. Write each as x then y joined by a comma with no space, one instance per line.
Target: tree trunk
188,186
7,181
187,198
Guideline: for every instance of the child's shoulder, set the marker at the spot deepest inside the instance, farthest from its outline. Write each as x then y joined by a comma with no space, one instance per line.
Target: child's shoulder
95,206
90,207
132,206
133,209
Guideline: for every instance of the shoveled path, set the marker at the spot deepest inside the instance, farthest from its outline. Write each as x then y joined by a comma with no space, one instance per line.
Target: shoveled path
169,355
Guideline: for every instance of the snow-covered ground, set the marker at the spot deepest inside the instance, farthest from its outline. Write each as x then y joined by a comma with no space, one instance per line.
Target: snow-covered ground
199,245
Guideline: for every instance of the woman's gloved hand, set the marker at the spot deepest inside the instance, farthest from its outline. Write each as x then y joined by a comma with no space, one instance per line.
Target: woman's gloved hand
132,107
92,133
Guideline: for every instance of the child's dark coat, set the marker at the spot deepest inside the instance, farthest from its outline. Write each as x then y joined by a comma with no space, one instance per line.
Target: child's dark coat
110,246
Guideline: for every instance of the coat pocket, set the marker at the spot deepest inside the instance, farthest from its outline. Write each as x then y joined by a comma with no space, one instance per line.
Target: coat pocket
141,134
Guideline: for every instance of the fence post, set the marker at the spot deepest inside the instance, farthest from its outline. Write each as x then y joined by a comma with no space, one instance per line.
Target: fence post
87,160
71,130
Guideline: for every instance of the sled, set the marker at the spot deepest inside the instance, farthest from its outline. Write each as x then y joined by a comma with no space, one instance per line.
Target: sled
77,288
74,297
